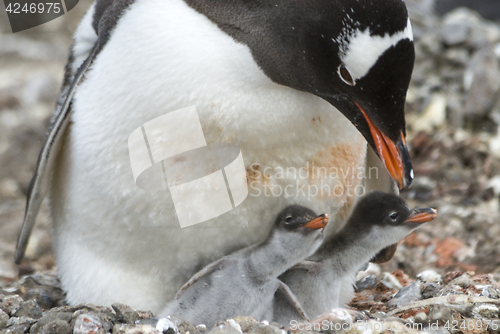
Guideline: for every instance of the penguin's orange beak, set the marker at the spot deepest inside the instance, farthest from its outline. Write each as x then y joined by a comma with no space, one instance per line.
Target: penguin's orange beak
318,222
420,216
394,155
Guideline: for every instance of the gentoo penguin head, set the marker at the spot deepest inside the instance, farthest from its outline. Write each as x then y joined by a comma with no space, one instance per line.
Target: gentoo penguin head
299,229
356,54
386,218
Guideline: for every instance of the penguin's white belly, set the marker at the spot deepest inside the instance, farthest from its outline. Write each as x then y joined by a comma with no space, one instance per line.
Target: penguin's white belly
116,242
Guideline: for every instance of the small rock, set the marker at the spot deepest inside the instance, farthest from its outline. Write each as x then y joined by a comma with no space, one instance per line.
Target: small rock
457,285
494,184
20,320
121,328
423,184
440,313
44,300
9,99
125,313
46,279
105,315
430,43
246,323
430,276
372,269
262,328
463,281
148,321
487,311
88,324
17,329
453,30
391,282
134,329
224,329
380,315
430,290
19,324
451,290
54,327
234,324
457,56
4,317
421,317
465,26
433,115
56,313
10,304
367,282
482,82
43,287
186,327
407,295
170,324
200,329
490,292
49,318
145,314
29,309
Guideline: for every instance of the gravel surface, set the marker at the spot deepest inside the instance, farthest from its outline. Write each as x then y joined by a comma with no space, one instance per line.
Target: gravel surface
453,114
456,303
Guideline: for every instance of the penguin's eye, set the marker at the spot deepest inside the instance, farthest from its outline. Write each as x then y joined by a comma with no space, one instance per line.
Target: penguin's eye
394,216
289,219
345,75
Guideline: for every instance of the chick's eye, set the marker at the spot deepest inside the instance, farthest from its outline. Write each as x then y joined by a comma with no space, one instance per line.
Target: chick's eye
345,75
393,216
289,219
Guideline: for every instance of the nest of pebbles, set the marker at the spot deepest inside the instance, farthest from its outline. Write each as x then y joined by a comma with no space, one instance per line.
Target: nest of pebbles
384,302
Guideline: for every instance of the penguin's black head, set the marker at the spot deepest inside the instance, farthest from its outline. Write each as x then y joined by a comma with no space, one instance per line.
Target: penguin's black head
295,217
356,54
388,216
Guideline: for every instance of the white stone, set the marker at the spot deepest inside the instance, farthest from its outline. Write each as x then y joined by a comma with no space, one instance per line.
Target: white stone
429,276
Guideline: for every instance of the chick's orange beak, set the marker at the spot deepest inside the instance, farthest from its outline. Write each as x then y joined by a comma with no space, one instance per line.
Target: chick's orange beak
318,222
395,156
421,216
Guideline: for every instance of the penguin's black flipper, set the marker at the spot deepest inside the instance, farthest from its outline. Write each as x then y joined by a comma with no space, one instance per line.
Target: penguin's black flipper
385,254
39,184
292,299
217,265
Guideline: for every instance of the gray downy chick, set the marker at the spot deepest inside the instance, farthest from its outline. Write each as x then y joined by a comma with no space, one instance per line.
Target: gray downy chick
244,283
326,280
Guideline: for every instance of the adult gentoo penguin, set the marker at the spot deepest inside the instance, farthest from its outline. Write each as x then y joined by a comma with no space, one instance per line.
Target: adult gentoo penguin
244,283
379,219
300,87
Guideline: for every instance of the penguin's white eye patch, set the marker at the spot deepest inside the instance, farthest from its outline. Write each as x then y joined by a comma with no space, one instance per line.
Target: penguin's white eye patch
345,75
393,216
